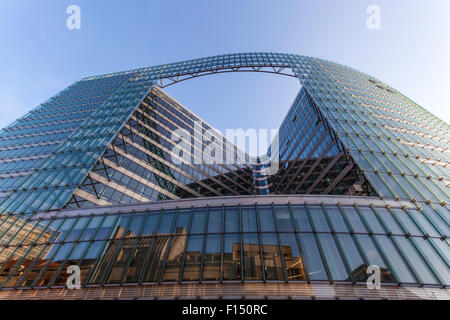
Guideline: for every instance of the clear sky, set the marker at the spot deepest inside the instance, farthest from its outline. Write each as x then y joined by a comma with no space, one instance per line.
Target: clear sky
39,56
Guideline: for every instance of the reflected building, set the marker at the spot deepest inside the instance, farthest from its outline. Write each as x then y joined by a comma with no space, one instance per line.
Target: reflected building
89,178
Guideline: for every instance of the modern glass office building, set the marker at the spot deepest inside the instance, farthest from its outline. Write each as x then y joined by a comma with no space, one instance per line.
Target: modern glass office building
88,179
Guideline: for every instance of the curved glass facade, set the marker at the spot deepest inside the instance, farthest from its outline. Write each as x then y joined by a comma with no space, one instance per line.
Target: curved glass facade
294,242
88,179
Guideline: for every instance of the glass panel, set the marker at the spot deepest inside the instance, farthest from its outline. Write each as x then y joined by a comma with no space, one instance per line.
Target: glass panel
316,270
415,261
252,257
249,220
396,261
372,221
389,221
422,221
283,219
211,263
166,223
301,219
266,219
354,220
198,221
151,224
318,219
193,258
406,222
182,224
272,260
232,220
356,263
292,259
232,257
215,220
174,258
373,257
333,257
434,260
336,219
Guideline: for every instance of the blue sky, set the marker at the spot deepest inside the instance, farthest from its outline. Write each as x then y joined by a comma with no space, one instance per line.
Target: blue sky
39,56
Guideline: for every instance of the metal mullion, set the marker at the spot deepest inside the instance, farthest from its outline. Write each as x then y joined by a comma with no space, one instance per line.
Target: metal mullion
300,248
261,252
338,244
241,244
319,245
222,244
180,275
150,249
277,232
205,235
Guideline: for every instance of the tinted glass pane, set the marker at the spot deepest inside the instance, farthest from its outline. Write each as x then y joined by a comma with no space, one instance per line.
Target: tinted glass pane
252,257
318,218
283,219
301,219
357,266
293,261
232,257
215,220
249,220
198,221
336,219
371,220
182,223
373,257
193,258
406,221
316,270
415,261
150,224
232,220
354,220
211,263
333,257
435,262
389,221
266,219
273,268
166,223
174,259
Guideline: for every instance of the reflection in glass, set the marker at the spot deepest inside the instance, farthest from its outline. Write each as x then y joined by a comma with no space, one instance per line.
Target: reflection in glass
174,258
193,258
215,220
266,219
316,270
283,219
301,219
232,257
273,268
211,263
249,220
252,257
332,256
292,259
232,220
